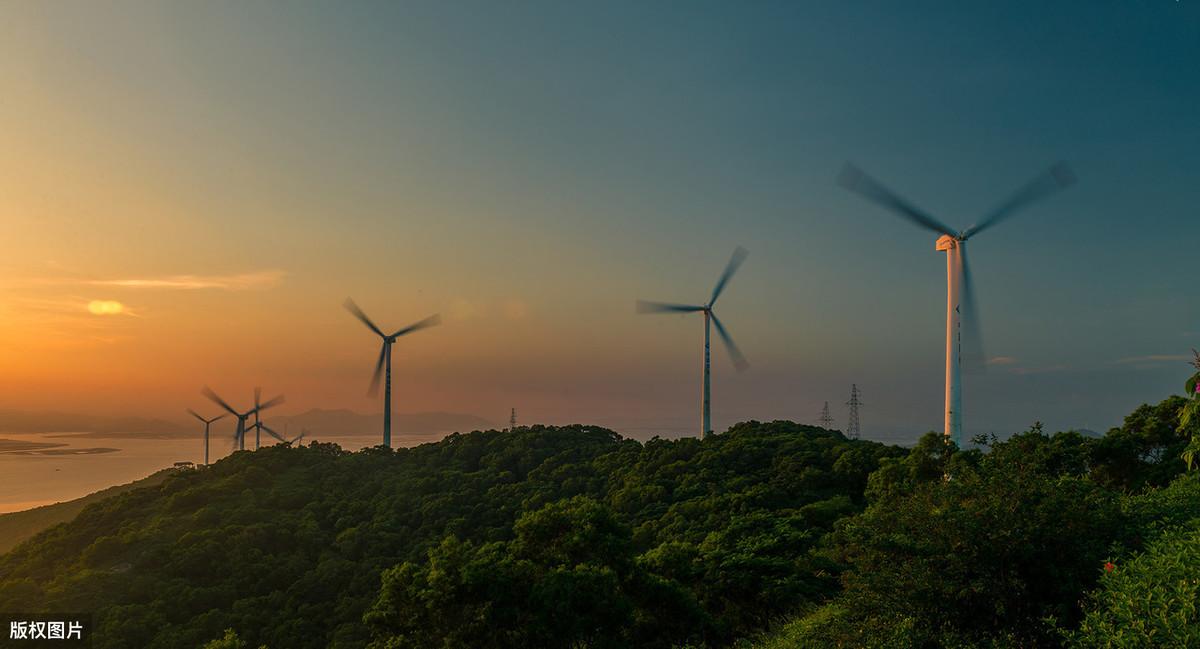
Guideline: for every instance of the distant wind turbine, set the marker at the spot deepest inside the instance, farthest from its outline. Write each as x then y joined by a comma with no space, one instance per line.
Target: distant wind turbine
385,358
960,294
739,361
207,423
257,425
240,434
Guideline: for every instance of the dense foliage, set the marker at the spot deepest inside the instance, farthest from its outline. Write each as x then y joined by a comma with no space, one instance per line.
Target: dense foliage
575,537
998,546
543,536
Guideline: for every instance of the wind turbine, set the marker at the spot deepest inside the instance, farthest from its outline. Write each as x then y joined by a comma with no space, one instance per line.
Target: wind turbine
385,358
960,294
240,434
257,425
207,423
739,361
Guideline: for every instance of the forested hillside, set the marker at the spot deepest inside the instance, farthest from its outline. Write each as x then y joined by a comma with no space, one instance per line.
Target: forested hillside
543,536
18,526
573,537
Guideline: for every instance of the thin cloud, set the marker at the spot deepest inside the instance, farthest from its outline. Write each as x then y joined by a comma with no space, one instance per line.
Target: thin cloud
1045,369
1153,359
1001,360
259,280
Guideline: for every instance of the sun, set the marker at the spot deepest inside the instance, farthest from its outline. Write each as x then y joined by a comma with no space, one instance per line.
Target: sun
105,307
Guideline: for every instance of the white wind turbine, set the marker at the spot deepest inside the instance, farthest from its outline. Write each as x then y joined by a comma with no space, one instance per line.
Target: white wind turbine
959,291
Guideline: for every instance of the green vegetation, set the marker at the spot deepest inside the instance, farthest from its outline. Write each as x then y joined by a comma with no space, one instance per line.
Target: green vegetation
18,526
573,537
554,537
967,548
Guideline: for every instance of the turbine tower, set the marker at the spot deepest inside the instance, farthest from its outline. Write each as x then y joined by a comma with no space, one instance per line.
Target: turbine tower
385,358
239,434
960,296
207,423
739,361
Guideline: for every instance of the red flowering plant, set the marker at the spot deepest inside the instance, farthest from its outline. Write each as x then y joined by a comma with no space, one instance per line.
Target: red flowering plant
1191,412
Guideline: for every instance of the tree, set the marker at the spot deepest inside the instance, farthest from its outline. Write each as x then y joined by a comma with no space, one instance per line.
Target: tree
1008,539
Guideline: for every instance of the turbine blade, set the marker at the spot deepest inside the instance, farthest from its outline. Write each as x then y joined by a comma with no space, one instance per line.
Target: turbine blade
358,313
270,404
431,321
257,397
215,418
972,339
739,361
662,307
1047,183
739,256
374,388
217,400
272,433
857,181
197,415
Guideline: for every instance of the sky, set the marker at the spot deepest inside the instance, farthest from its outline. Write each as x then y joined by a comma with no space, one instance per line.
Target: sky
188,192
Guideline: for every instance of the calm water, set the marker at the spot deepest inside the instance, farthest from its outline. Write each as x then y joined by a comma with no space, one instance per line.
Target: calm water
31,480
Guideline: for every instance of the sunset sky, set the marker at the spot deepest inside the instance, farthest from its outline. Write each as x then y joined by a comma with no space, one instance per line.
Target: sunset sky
188,192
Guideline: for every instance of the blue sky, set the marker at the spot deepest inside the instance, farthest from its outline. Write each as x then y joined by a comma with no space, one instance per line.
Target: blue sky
539,166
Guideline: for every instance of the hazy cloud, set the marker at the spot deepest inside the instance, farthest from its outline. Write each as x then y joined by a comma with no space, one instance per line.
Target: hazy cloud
258,280
1154,359
1045,369
1001,360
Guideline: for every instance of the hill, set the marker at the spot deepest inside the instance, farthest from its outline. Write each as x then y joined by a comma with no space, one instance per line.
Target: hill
544,536
18,526
574,537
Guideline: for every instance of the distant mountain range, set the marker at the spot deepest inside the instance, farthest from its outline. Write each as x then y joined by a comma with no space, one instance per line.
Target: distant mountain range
323,423
20,421
333,423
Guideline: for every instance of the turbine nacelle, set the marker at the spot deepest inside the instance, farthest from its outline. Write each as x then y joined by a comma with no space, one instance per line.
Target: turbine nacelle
947,242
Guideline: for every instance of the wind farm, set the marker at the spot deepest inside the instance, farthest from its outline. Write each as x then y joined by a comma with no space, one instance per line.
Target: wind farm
805,447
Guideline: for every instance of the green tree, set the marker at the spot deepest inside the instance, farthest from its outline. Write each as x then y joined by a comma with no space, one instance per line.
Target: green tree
983,555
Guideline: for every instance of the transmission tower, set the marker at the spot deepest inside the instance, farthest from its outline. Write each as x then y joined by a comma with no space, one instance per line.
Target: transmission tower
852,428
826,419
512,420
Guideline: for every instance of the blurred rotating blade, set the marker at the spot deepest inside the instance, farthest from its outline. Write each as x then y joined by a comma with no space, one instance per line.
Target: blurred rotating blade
662,307
857,181
272,433
374,389
1047,183
358,313
739,361
270,404
739,256
972,339
431,321
218,400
